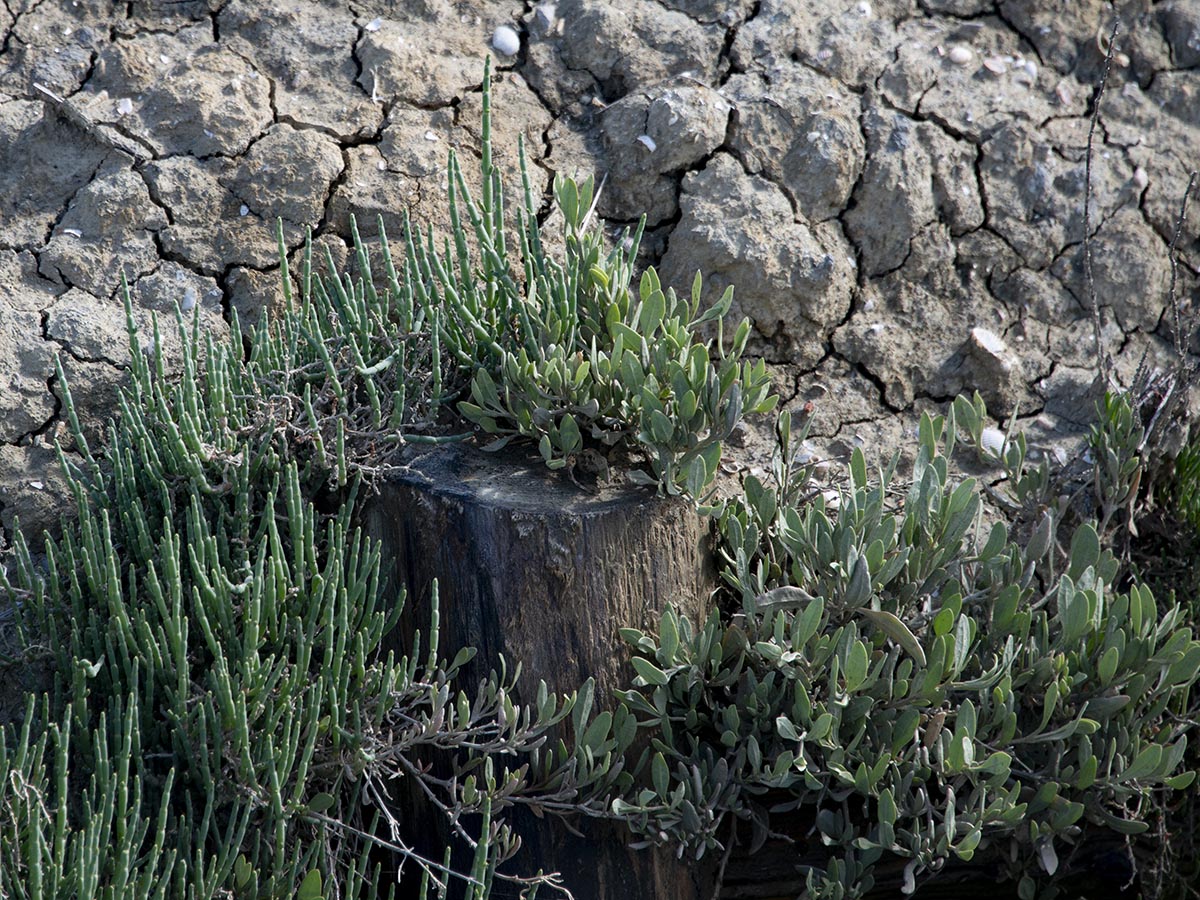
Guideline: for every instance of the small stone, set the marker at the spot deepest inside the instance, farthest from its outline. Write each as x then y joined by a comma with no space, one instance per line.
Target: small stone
243,210
506,42
124,106
960,55
545,15
374,25
1140,178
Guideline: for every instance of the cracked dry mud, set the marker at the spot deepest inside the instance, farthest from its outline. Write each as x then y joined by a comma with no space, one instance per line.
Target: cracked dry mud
895,187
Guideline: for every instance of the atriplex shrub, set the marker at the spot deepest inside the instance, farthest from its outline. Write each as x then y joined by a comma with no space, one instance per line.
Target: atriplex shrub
924,685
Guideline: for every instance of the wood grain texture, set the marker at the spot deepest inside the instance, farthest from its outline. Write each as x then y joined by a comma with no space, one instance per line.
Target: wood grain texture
536,570
533,568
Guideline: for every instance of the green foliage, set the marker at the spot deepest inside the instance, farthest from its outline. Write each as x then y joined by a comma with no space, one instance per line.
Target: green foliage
223,719
1184,490
557,347
922,683
591,365
222,708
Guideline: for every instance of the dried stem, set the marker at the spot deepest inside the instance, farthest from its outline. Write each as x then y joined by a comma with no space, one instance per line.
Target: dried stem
1097,324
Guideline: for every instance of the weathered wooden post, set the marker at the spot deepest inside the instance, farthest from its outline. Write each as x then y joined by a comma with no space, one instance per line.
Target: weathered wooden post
535,569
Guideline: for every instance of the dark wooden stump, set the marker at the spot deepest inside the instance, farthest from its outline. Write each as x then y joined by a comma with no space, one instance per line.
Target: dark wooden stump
535,569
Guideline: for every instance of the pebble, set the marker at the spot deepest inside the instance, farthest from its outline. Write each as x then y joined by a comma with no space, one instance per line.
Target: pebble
1140,178
124,106
960,55
506,42
374,25
545,15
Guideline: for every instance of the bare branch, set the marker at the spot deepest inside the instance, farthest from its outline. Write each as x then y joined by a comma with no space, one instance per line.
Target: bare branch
1097,324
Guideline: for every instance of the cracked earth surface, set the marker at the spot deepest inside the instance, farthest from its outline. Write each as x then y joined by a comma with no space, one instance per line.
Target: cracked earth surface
894,187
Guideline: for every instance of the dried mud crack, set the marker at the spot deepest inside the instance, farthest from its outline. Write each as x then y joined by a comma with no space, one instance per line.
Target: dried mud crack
878,181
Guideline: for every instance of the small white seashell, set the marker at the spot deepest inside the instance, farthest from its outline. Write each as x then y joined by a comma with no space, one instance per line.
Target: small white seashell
506,42
863,8
36,485
996,65
124,106
374,25
74,232
832,499
430,136
992,441
1140,178
960,55
1064,94
988,341
1026,72
1122,60
648,142
381,165
824,54
164,59
244,210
